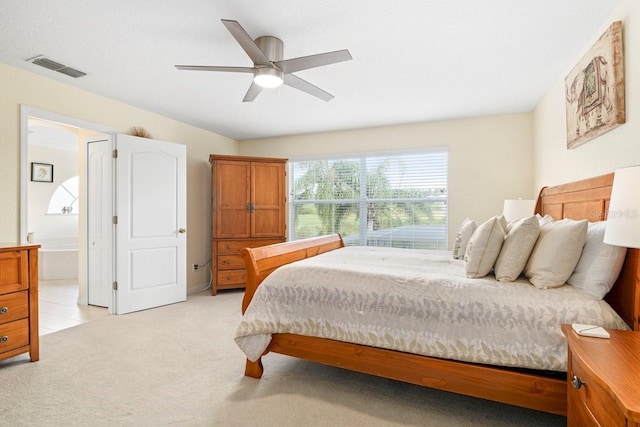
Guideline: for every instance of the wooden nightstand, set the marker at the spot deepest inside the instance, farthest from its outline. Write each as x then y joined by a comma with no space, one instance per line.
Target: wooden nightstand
603,379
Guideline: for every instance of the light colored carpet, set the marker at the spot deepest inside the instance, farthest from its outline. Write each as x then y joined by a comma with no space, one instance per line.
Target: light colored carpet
178,365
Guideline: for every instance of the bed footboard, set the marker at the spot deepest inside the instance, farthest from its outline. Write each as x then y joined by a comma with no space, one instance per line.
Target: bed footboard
265,259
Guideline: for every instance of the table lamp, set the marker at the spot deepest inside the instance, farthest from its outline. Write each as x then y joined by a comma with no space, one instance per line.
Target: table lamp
517,208
623,219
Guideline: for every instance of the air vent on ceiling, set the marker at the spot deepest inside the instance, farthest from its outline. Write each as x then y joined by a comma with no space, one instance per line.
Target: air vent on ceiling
56,66
71,72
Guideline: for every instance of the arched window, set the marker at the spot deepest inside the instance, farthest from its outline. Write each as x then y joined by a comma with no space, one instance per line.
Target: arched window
65,198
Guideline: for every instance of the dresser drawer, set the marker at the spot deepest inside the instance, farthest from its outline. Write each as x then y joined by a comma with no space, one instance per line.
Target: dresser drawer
232,277
14,271
590,404
234,246
230,262
14,306
14,335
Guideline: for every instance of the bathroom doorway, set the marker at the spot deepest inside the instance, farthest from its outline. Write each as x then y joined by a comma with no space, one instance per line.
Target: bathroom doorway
51,202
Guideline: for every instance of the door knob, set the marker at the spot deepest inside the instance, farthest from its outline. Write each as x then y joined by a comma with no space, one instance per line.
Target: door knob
182,230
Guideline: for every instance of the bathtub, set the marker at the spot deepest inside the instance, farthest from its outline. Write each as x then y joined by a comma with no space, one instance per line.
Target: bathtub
58,259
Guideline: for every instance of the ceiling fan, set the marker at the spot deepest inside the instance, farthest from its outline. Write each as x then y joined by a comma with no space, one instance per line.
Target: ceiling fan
269,69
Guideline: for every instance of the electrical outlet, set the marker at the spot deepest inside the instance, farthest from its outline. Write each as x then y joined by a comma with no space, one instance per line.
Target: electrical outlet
195,267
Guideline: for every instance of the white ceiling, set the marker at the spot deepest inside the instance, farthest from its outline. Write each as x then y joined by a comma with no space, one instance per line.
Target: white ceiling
413,60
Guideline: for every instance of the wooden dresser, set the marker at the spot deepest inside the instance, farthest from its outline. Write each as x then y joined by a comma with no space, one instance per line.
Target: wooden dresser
19,301
248,199
603,379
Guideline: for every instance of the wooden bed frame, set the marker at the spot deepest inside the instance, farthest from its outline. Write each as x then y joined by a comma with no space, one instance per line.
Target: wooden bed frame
586,199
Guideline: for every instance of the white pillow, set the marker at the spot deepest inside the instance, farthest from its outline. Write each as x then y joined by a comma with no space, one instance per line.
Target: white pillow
517,248
544,219
512,223
484,247
465,231
556,253
599,265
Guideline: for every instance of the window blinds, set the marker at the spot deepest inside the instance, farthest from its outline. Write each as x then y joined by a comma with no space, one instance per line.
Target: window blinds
372,199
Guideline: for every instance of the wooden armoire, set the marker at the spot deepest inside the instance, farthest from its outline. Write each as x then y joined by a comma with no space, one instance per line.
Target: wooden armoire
248,205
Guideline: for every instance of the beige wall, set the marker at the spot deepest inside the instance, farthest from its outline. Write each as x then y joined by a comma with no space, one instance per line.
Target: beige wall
553,162
23,88
489,158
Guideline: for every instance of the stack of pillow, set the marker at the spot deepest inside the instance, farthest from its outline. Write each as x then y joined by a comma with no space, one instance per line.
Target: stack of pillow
549,253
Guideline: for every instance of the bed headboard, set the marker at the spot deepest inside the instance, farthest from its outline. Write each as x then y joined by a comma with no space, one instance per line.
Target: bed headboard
589,199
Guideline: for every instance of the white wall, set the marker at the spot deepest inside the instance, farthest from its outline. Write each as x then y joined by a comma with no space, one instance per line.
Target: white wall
19,87
553,162
489,158
56,226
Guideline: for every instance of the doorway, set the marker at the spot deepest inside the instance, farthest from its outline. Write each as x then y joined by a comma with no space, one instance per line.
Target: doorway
51,213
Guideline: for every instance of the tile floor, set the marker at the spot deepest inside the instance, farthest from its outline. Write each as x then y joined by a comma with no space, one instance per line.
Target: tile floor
59,309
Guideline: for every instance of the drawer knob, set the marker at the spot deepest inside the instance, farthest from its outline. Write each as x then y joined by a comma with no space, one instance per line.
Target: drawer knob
228,277
4,310
4,339
228,246
577,382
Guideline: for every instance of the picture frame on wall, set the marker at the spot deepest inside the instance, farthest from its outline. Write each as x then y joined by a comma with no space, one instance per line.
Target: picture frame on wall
594,90
41,172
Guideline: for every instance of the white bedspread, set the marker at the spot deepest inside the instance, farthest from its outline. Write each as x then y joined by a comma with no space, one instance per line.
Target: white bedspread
418,301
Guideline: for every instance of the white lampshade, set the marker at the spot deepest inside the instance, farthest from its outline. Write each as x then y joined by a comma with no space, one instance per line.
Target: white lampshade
268,77
517,208
623,219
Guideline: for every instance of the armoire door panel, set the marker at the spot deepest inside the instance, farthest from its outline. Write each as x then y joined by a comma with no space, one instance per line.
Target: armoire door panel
268,190
267,223
233,183
267,182
231,199
233,223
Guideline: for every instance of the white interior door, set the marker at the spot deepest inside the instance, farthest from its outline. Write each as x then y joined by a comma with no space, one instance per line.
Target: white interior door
100,221
151,224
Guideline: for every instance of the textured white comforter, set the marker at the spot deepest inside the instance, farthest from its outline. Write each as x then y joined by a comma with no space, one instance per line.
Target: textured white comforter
418,302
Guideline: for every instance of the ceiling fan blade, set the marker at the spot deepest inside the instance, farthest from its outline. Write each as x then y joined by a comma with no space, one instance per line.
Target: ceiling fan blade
252,93
246,42
305,62
305,86
215,68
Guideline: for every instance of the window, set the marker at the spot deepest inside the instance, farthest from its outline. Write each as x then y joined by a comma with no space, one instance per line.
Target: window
397,200
65,198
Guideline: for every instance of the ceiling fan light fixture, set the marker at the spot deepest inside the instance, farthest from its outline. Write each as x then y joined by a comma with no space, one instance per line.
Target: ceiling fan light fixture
269,69
268,77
